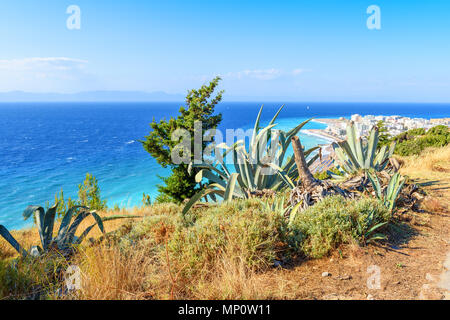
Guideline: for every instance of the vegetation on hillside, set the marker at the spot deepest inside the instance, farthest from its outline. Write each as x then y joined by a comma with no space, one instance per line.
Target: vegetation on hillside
89,195
335,221
414,141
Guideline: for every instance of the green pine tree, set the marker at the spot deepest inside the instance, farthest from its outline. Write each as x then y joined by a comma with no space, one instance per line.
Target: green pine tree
200,105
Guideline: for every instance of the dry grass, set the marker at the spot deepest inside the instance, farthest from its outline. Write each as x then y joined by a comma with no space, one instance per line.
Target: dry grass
231,279
109,273
432,163
112,274
431,168
219,257
29,237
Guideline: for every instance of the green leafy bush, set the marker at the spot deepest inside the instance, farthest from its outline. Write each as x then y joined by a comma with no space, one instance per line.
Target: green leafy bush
149,231
414,141
416,132
440,130
335,221
63,204
240,229
36,279
89,194
324,175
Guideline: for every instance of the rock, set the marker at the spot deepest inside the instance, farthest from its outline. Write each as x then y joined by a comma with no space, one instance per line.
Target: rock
429,277
335,296
346,277
277,264
326,274
370,297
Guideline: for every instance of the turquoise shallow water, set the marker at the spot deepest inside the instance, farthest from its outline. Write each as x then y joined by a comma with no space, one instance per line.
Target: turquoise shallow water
48,147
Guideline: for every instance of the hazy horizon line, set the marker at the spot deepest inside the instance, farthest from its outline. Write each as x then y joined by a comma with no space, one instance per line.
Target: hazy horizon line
124,96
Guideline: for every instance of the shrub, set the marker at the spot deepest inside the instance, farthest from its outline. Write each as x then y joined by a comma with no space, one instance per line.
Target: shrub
408,148
335,221
152,230
89,194
440,130
63,204
324,175
416,132
31,278
241,230
414,141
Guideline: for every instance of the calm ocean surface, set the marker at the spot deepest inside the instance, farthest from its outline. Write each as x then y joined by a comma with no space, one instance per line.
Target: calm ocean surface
48,147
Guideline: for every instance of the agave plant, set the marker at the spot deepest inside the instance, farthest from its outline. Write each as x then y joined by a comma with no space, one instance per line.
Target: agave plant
261,166
65,239
390,193
278,207
369,233
354,155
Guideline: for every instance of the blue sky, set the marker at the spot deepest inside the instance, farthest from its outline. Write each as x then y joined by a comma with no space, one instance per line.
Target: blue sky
292,50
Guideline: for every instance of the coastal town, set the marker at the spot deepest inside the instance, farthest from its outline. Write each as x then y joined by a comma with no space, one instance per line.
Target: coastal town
336,128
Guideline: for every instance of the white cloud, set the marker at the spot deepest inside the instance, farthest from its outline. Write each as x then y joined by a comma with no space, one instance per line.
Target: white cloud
262,74
43,74
39,64
296,72
267,74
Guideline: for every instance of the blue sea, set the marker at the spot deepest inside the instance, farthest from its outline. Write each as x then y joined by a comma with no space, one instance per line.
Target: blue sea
46,147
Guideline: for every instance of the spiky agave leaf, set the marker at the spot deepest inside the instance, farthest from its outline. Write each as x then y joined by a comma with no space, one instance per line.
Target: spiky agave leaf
229,191
13,242
196,197
353,155
376,185
49,222
39,214
394,187
371,147
65,223
79,240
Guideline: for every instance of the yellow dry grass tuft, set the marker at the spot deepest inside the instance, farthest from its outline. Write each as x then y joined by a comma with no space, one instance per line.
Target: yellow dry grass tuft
30,237
431,167
433,162
111,274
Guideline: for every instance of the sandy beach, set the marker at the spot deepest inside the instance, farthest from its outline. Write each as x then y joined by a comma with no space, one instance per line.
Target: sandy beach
321,133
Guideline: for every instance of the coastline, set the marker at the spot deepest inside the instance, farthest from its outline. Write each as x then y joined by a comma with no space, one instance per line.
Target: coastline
319,133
